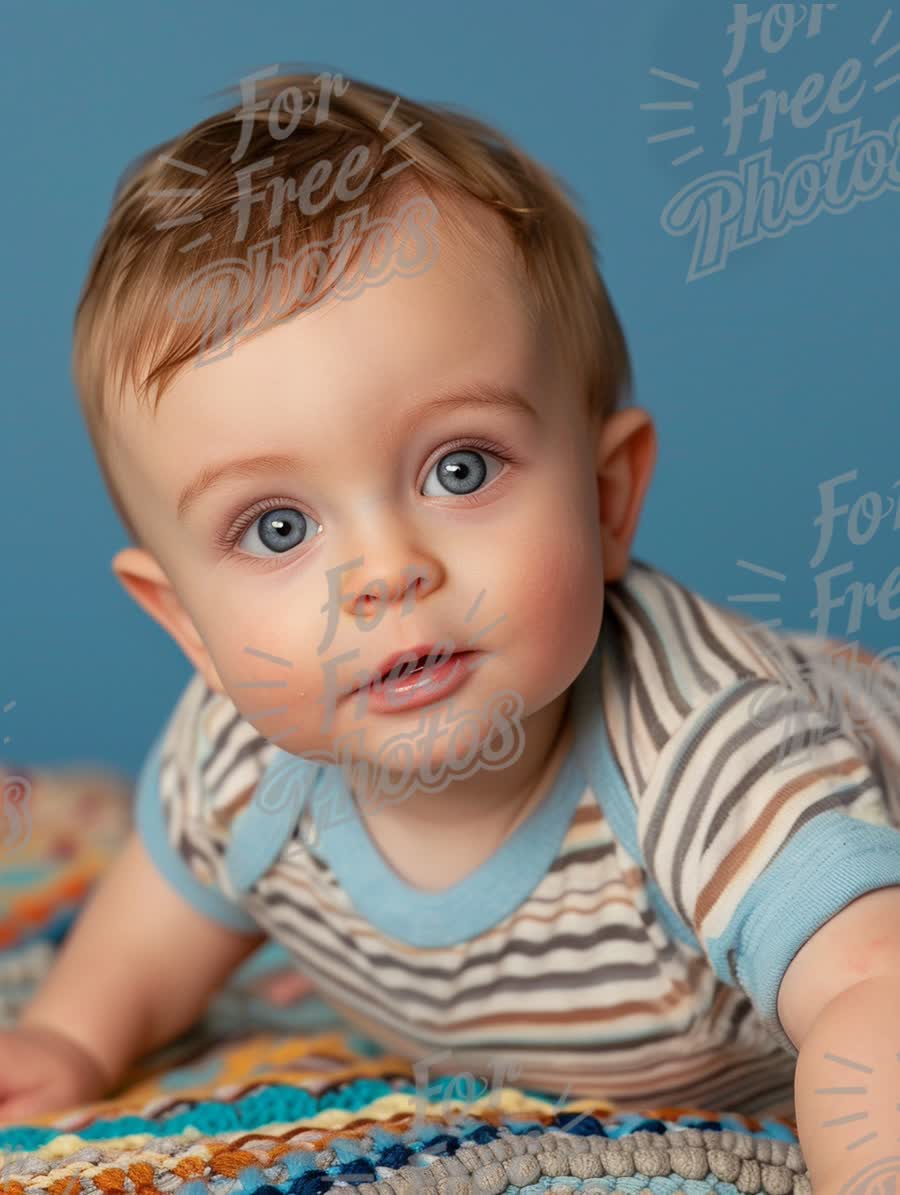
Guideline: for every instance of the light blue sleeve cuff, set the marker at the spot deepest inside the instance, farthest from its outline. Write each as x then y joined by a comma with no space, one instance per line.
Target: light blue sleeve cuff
827,863
150,825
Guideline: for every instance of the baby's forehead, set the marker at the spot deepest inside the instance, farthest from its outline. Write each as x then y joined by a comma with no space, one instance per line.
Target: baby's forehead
475,261
131,424
472,262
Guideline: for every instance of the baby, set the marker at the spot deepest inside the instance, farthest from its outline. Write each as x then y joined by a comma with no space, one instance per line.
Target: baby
516,801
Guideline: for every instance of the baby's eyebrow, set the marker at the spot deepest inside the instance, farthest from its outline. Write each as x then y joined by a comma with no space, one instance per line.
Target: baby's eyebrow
243,468
481,394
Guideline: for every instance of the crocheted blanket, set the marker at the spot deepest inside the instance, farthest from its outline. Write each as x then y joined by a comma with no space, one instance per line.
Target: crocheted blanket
271,1094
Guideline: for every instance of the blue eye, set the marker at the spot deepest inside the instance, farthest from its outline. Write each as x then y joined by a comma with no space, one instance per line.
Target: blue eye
279,529
462,472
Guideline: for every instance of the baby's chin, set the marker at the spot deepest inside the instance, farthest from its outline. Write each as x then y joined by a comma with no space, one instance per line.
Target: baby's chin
427,747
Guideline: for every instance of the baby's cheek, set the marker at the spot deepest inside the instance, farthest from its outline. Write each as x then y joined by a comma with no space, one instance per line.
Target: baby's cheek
560,606
290,717
264,675
256,641
278,681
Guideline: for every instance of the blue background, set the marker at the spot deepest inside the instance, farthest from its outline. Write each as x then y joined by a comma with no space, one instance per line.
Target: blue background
765,379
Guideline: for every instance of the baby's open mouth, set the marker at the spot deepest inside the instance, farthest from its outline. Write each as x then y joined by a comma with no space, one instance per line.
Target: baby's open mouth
403,667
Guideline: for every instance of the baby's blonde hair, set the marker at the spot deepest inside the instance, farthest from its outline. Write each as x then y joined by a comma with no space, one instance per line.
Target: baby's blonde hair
173,217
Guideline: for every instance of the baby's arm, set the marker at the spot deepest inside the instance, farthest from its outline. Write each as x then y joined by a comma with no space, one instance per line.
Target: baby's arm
138,967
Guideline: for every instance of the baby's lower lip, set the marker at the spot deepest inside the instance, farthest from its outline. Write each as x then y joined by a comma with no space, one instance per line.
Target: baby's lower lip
409,679
421,688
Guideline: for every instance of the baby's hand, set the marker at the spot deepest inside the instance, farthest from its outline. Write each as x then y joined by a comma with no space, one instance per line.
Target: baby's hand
43,1071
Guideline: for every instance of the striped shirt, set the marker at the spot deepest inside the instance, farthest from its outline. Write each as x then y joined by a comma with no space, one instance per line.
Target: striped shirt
728,789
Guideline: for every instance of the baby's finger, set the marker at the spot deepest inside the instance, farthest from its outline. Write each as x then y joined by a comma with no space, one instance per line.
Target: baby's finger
21,1109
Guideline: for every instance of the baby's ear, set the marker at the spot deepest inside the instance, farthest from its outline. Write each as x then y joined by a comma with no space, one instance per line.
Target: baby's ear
144,579
626,456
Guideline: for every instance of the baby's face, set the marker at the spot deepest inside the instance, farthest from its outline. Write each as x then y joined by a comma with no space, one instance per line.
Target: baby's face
465,523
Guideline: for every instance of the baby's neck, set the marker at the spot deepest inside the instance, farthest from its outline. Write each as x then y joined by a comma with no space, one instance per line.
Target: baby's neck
435,840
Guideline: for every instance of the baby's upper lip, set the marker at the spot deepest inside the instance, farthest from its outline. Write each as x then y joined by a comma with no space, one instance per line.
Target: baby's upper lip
437,651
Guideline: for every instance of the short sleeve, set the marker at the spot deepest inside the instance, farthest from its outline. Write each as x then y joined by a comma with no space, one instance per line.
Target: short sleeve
763,819
151,826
